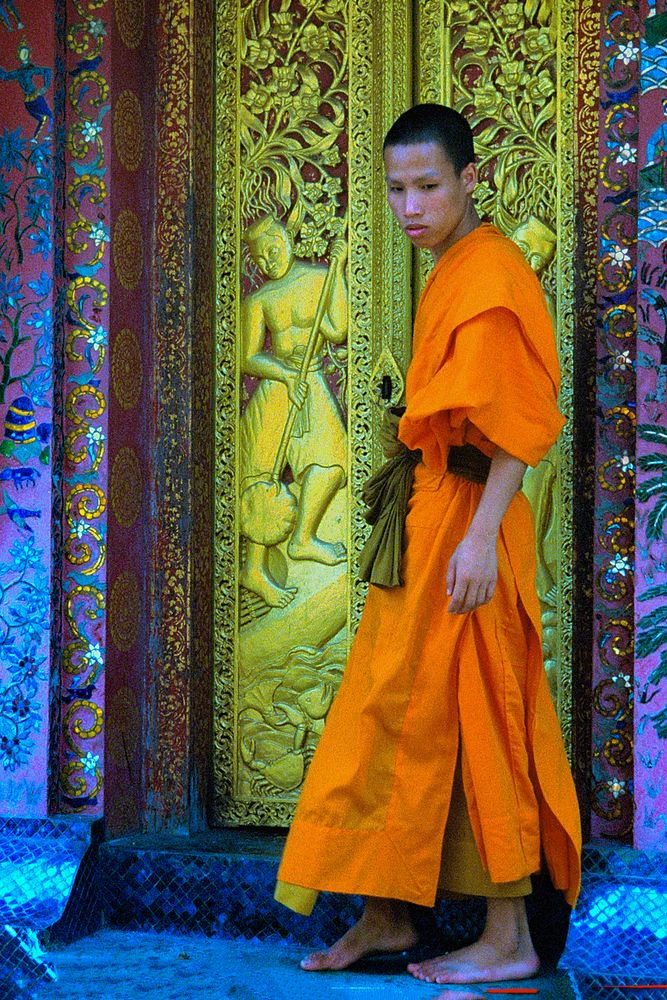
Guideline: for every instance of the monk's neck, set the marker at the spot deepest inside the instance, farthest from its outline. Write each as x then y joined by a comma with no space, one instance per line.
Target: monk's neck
468,223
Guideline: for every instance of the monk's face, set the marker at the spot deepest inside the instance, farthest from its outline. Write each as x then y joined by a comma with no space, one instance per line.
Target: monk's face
432,204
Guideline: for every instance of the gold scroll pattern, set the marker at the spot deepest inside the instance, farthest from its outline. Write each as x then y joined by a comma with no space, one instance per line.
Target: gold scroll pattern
509,68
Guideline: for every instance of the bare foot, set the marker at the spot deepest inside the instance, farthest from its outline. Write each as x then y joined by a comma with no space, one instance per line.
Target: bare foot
262,583
385,925
480,963
327,553
504,951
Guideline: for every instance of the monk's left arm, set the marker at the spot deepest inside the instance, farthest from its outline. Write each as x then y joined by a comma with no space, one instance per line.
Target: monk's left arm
473,567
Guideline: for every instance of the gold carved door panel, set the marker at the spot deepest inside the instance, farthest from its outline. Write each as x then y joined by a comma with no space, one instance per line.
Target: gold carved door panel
315,297
313,288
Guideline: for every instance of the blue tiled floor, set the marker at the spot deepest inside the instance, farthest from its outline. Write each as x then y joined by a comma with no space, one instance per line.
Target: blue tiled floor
118,965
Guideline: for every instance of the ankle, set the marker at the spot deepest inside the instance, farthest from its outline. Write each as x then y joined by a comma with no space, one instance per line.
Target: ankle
506,926
388,914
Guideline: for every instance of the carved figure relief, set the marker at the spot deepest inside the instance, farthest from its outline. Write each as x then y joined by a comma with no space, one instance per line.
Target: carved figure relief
293,419
292,508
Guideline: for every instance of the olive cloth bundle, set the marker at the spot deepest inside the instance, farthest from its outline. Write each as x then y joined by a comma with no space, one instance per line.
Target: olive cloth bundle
387,493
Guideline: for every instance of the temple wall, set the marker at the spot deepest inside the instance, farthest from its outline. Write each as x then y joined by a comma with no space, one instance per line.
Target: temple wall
106,524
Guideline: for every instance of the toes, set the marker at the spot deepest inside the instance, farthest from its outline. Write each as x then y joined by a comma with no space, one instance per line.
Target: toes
315,962
436,971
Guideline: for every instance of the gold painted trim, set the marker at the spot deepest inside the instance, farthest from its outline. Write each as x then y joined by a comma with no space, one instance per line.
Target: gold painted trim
227,310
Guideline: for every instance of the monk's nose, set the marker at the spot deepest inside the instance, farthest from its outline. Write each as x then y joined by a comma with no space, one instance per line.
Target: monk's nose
412,204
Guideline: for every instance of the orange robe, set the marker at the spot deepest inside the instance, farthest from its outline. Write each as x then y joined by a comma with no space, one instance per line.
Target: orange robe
422,685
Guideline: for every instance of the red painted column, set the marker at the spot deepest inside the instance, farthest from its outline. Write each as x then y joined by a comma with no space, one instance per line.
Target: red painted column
131,412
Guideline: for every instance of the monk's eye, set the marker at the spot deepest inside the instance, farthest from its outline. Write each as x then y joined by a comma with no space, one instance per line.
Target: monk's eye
429,187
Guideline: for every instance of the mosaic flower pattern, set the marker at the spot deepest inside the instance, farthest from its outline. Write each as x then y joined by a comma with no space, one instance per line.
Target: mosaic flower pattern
611,788
24,620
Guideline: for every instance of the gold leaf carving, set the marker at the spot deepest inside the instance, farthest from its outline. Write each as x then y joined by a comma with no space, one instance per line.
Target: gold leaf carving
126,368
126,486
124,610
296,125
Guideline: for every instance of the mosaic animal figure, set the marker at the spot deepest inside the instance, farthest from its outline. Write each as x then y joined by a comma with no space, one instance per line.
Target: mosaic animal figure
22,477
26,75
18,515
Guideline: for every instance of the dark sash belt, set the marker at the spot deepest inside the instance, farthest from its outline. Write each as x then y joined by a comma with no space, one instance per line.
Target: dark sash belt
386,495
468,462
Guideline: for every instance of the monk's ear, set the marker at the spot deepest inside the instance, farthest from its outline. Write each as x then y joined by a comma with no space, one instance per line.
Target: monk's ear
469,177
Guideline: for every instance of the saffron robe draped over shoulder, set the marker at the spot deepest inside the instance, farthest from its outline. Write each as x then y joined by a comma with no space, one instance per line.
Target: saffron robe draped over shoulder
421,685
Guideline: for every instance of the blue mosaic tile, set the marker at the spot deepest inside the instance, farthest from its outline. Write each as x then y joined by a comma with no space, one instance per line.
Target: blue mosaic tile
231,896
620,924
222,885
39,863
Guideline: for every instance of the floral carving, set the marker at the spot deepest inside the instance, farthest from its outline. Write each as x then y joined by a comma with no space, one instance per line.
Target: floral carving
293,119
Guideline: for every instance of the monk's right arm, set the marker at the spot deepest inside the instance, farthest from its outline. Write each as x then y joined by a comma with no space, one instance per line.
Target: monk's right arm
473,567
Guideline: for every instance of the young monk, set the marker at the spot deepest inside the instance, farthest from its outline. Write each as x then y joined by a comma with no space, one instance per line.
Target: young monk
442,767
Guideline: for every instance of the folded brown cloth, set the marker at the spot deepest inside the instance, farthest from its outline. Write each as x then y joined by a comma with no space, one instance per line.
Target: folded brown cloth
386,495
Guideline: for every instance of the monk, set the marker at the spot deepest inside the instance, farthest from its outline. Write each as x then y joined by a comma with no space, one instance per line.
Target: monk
442,768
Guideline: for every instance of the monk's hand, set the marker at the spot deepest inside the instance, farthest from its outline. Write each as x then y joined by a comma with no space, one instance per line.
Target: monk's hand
297,390
471,574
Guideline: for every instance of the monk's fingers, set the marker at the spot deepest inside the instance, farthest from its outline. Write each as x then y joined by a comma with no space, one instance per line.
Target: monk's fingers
475,597
459,595
450,579
484,595
468,595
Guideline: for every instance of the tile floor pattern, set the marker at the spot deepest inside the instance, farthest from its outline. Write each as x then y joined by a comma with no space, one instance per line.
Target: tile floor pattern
120,965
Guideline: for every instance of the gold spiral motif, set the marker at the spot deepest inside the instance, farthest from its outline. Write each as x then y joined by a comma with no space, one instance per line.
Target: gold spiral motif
128,249
128,130
130,21
126,487
126,368
124,611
